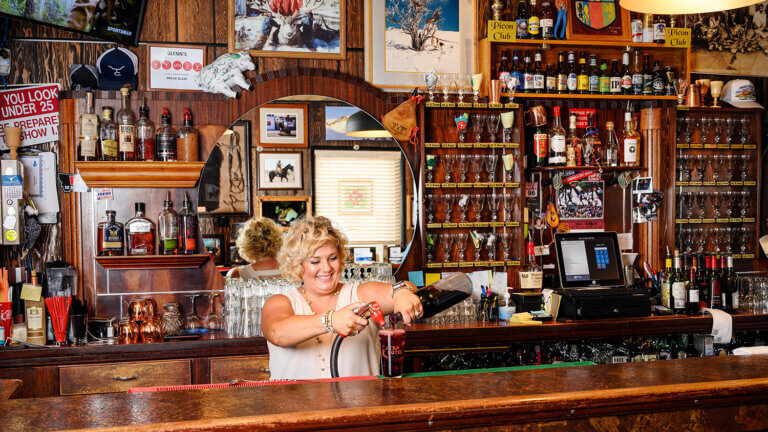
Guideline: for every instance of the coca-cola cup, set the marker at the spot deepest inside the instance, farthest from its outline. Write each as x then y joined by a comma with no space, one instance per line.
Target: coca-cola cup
6,319
392,352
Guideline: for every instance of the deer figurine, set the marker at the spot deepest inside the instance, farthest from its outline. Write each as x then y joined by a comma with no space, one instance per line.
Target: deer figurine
225,73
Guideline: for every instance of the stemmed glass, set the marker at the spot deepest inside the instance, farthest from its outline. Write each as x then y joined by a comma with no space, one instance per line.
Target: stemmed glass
706,123
744,131
463,204
463,83
447,81
717,238
685,162
449,162
699,197
686,239
478,123
431,247
681,85
716,88
715,199
681,127
461,245
477,165
688,130
730,122
493,126
729,235
192,322
728,165
430,162
461,126
745,239
510,201
701,164
493,206
744,166
727,202
507,122
490,166
508,160
463,166
480,245
448,200
478,200
745,199
717,166
430,201
682,203
446,243
701,236
506,244
212,321
688,204
719,122
490,245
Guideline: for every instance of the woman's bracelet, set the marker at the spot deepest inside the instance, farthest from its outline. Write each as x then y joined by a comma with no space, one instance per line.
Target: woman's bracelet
326,319
330,320
400,286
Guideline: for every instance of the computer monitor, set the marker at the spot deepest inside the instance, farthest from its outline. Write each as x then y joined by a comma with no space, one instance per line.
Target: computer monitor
589,259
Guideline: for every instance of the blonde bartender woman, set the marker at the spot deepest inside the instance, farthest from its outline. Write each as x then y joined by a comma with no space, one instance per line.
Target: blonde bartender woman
300,325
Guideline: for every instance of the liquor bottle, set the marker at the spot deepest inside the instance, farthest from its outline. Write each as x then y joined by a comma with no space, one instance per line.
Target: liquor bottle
614,80
531,274
550,80
140,233
626,76
690,350
732,280
187,228
503,74
522,20
534,29
605,79
726,286
168,224
88,139
611,146
630,139
517,72
547,21
126,127
637,75
714,285
593,148
538,74
692,288
659,29
583,76
540,146
574,154
35,315
702,280
556,140
647,76
658,80
109,236
145,136
108,136
677,294
665,281
187,149
527,73
562,74
572,81
165,140
594,75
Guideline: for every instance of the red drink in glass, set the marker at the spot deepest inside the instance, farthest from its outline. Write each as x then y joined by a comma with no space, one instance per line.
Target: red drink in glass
392,352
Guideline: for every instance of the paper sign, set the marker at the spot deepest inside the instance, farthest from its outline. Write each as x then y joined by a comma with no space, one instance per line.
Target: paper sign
431,278
31,292
416,278
677,37
35,110
362,255
12,187
582,115
502,31
103,194
175,68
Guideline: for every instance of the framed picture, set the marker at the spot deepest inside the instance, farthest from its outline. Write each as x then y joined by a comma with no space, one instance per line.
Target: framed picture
174,67
601,19
283,29
284,210
336,123
214,245
234,233
443,40
280,170
234,258
730,42
225,183
283,125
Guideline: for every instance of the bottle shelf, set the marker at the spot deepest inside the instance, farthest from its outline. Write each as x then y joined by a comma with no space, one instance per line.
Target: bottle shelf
439,225
152,262
580,43
586,168
592,96
140,174
470,264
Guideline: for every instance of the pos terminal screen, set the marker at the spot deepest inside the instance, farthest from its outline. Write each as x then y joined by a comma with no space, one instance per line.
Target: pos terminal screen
589,259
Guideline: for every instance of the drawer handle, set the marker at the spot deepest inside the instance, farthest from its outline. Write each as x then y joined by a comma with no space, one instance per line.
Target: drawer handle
264,370
125,378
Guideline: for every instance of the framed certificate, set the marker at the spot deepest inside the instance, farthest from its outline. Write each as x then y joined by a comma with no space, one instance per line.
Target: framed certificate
174,67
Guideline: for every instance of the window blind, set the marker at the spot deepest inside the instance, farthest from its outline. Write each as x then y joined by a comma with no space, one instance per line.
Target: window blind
361,191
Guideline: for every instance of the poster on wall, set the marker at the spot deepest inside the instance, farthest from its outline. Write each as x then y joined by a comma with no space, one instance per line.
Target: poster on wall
35,110
732,42
174,67
580,202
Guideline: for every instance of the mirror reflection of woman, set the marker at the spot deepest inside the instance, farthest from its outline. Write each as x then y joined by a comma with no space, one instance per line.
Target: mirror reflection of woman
258,244
300,324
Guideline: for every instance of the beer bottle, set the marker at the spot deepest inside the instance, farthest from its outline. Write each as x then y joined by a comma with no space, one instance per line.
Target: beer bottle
550,80
614,79
594,75
637,75
572,80
522,20
516,70
538,74
658,80
562,74
534,31
504,73
583,77
626,76
605,79
647,76
527,74
547,21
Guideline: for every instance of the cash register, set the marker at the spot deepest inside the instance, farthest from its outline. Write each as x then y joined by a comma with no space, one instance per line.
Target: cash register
592,282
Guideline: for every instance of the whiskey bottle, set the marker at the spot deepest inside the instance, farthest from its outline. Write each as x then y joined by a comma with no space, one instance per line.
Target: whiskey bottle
557,151
88,139
593,148
165,140
631,141
168,224
573,151
141,233
109,236
108,136
126,127
145,136
611,146
187,228
186,140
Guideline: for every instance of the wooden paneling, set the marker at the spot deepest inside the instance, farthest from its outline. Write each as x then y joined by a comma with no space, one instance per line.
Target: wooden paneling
220,20
160,21
226,369
355,24
115,378
195,21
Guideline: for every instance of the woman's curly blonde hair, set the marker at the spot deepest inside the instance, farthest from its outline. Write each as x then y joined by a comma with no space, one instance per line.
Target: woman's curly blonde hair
303,239
261,238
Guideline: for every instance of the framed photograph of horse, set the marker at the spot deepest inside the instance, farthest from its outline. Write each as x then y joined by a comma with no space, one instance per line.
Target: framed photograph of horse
284,125
280,170
298,29
284,210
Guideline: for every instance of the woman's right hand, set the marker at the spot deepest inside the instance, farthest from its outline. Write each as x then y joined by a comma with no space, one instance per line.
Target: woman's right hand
346,323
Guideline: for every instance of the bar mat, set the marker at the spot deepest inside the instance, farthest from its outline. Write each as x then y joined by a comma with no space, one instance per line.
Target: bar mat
245,384
500,369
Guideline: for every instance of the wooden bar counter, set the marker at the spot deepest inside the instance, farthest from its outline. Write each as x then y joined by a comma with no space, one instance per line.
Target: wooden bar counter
715,393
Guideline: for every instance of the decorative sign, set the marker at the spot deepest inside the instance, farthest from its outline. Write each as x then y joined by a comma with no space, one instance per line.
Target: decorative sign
677,38
502,31
582,115
596,14
174,67
35,110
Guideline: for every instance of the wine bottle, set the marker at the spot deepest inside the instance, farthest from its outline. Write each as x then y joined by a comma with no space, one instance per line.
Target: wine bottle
692,294
441,295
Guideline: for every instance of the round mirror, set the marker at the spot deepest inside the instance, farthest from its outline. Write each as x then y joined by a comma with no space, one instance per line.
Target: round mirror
308,155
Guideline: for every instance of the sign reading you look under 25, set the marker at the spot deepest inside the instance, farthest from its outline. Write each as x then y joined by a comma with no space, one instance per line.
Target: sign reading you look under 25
174,67
35,110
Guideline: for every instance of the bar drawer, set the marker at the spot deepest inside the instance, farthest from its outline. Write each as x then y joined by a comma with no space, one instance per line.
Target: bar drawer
226,369
119,377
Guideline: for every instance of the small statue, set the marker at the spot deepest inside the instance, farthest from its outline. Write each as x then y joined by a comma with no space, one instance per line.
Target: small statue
226,72
562,19
172,322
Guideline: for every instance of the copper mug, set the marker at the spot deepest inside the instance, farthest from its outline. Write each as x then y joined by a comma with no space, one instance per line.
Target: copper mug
536,116
141,309
693,95
151,330
128,332
495,93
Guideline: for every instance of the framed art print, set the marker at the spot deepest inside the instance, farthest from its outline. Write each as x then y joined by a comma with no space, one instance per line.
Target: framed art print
284,210
280,170
214,245
225,182
597,20
283,125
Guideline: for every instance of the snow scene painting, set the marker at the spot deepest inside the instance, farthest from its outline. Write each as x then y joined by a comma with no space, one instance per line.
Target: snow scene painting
288,28
422,35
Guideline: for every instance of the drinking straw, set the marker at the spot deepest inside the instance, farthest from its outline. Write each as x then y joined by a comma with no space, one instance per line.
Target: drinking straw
58,307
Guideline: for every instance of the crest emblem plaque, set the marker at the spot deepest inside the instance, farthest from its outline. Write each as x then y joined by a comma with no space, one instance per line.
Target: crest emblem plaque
596,14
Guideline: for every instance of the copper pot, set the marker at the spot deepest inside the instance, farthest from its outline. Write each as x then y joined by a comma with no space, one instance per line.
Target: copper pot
128,332
151,330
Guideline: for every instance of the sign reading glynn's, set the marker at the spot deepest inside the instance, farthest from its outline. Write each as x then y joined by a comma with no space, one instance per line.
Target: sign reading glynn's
35,110
174,67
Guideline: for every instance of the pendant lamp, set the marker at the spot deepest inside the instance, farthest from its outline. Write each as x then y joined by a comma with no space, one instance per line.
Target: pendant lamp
683,7
362,125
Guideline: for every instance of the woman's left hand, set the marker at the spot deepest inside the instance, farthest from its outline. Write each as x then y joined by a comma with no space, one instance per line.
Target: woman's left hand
408,304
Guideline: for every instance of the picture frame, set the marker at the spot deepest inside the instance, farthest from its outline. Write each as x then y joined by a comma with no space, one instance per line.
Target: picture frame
233,257
280,170
392,65
284,210
174,67
225,181
215,246
618,30
284,126
326,38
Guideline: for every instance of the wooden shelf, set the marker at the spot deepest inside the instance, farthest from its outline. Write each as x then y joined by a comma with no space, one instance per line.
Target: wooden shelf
152,262
581,43
591,96
140,174
586,168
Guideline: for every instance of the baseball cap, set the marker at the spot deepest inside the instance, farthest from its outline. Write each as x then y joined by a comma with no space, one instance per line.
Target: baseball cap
118,67
741,94
84,77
